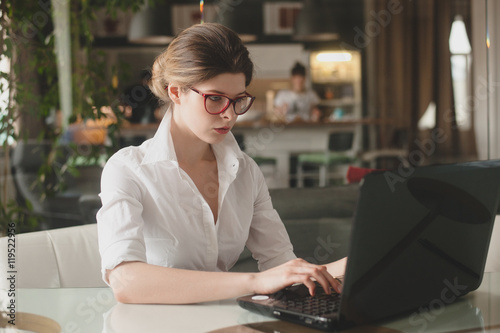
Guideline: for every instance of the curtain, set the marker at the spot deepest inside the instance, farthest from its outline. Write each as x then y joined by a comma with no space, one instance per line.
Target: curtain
409,67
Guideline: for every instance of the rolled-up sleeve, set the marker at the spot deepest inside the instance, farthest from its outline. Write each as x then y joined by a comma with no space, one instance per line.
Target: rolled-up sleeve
119,221
268,239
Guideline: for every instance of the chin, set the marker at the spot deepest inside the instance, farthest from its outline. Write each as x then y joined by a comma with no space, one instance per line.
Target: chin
213,139
217,140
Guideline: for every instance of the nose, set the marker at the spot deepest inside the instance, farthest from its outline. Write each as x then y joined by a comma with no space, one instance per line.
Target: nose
229,113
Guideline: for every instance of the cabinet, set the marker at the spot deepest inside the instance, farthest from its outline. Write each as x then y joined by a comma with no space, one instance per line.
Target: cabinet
336,78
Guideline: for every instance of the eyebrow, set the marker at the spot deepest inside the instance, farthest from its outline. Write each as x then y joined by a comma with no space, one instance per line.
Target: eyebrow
222,93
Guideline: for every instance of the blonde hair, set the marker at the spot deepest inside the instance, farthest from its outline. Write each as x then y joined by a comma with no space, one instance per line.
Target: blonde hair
197,54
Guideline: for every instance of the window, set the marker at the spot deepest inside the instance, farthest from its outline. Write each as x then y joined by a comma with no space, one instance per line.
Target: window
460,49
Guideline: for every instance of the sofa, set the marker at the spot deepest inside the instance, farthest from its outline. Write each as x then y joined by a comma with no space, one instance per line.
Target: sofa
318,221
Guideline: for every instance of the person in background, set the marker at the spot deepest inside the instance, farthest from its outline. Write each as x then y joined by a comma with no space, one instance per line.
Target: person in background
299,102
139,102
178,210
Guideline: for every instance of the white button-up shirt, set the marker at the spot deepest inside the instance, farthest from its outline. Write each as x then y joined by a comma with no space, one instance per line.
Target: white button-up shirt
153,212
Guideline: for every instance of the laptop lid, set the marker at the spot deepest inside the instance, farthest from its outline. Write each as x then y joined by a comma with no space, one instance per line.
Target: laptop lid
420,239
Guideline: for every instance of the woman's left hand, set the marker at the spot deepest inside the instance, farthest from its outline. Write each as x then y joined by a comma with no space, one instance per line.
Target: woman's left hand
294,271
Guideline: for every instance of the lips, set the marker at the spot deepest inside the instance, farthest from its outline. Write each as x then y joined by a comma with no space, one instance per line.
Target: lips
222,130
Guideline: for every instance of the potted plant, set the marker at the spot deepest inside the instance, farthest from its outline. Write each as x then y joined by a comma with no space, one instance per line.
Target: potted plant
31,94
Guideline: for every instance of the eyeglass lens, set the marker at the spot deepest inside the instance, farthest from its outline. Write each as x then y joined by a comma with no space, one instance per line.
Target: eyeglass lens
217,104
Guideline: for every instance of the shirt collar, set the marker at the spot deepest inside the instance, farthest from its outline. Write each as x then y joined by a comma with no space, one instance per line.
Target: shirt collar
162,145
162,148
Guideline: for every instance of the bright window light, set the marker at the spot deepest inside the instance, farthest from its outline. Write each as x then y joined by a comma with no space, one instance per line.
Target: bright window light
428,119
333,56
459,42
460,49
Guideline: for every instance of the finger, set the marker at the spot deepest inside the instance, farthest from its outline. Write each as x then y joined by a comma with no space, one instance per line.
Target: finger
325,280
334,282
337,284
311,286
319,274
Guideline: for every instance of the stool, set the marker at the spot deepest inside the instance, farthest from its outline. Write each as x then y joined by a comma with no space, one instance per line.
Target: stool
324,162
340,152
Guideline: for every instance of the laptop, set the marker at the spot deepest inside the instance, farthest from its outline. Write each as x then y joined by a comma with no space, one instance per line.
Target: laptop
419,241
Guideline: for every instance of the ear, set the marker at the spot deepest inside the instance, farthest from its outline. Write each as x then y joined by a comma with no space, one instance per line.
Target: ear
174,93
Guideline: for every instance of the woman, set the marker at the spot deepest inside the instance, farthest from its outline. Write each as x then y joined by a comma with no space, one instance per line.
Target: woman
179,209
298,102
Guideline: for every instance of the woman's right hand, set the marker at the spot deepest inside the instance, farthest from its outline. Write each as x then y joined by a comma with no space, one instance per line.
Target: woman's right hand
295,271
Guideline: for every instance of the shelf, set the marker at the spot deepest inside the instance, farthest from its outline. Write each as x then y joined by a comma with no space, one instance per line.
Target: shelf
340,102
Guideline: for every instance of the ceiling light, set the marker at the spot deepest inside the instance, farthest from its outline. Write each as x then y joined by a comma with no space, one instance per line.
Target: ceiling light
333,56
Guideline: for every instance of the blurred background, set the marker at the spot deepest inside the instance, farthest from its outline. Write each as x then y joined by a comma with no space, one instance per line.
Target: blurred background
398,84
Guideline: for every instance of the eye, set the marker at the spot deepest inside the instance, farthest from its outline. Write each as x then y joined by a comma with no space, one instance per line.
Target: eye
214,98
243,100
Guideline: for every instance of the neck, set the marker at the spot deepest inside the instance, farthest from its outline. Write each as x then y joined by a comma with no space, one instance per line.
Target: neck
189,149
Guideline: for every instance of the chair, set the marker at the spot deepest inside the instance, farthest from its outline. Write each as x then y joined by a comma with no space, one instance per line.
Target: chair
89,206
268,167
341,152
61,258
317,219
389,157
266,164
63,208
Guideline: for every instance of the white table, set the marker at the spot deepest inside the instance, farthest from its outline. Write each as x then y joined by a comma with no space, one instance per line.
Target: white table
95,310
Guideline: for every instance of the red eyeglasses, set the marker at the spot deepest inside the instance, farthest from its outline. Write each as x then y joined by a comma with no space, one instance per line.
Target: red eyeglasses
216,103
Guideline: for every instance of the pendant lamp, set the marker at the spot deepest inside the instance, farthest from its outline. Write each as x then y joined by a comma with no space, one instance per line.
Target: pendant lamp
315,23
151,26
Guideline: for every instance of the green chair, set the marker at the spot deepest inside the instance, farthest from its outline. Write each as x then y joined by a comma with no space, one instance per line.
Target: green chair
260,160
340,153
268,166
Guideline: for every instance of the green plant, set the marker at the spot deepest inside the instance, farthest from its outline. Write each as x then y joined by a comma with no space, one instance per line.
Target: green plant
27,40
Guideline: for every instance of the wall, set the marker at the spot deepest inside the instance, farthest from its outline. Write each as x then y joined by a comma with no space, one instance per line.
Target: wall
274,61
486,76
486,71
494,70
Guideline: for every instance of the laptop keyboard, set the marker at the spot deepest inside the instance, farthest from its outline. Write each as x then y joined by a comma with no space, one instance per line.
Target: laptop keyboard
298,299
315,306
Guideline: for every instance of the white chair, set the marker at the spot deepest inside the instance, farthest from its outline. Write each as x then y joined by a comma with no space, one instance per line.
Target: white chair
332,163
58,258
373,157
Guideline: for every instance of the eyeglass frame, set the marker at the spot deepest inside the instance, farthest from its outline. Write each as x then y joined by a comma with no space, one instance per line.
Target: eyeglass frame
231,101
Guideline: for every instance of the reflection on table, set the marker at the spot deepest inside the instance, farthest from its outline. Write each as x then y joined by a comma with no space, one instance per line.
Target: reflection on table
95,310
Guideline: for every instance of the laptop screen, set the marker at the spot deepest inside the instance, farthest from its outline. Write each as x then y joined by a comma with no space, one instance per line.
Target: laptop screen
420,239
